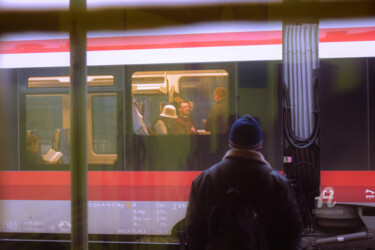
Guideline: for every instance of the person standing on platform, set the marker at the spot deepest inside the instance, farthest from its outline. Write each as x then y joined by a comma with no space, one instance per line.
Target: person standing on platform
264,203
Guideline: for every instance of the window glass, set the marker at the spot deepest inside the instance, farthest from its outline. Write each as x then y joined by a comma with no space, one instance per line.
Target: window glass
200,91
157,106
104,124
44,114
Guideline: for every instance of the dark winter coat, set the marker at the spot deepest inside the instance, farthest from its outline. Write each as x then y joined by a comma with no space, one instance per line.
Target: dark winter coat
266,189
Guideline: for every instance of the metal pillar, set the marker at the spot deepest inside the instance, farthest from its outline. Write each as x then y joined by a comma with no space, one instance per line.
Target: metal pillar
78,95
301,110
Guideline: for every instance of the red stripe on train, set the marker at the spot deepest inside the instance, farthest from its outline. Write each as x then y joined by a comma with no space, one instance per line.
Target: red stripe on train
348,178
348,194
347,34
99,178
103,185
147,42
183,40
348,186
98,193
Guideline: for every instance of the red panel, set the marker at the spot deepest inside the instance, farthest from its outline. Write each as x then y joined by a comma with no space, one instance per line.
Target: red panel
33,178
350,194
99,178
348,178
347,186
136,193
103,185
347,34
98,193
35,192
142,178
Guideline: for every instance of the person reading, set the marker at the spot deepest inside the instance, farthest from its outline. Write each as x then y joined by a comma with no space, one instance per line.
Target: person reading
33,155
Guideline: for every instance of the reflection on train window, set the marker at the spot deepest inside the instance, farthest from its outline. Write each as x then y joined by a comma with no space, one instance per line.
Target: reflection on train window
180,102
102,128
48,118
43,115
104,124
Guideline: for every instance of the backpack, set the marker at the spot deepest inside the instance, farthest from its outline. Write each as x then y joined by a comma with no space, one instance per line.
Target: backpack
233,224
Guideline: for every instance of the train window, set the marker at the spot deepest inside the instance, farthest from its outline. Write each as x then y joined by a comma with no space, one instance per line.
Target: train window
159,94
199,90
102,128
47,126
104,122
48,118
64,81
43,115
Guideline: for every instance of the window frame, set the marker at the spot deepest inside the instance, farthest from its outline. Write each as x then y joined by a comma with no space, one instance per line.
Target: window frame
140,143
117,89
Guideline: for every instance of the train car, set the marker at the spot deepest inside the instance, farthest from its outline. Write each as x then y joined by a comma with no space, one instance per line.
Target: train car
138,181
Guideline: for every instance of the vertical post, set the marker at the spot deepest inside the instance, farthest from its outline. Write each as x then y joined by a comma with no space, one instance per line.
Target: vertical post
78,95
300,112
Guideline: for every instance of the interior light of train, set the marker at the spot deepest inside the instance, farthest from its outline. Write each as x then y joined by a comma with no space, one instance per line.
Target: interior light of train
219,73
155,83
140,87
64,81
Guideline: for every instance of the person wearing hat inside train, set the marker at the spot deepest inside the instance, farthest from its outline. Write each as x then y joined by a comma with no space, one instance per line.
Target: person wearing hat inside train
242,181
165,124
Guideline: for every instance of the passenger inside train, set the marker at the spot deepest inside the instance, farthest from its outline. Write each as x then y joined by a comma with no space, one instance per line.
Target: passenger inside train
184,123
218,118
138,121
33,155
165,125
153,90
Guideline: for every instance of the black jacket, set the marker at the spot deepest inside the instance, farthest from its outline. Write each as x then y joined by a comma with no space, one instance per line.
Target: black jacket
266,189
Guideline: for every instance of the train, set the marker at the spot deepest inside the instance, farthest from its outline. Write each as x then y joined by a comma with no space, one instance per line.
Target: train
320,133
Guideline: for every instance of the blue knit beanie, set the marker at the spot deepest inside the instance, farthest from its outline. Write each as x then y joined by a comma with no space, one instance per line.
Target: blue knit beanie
246,133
